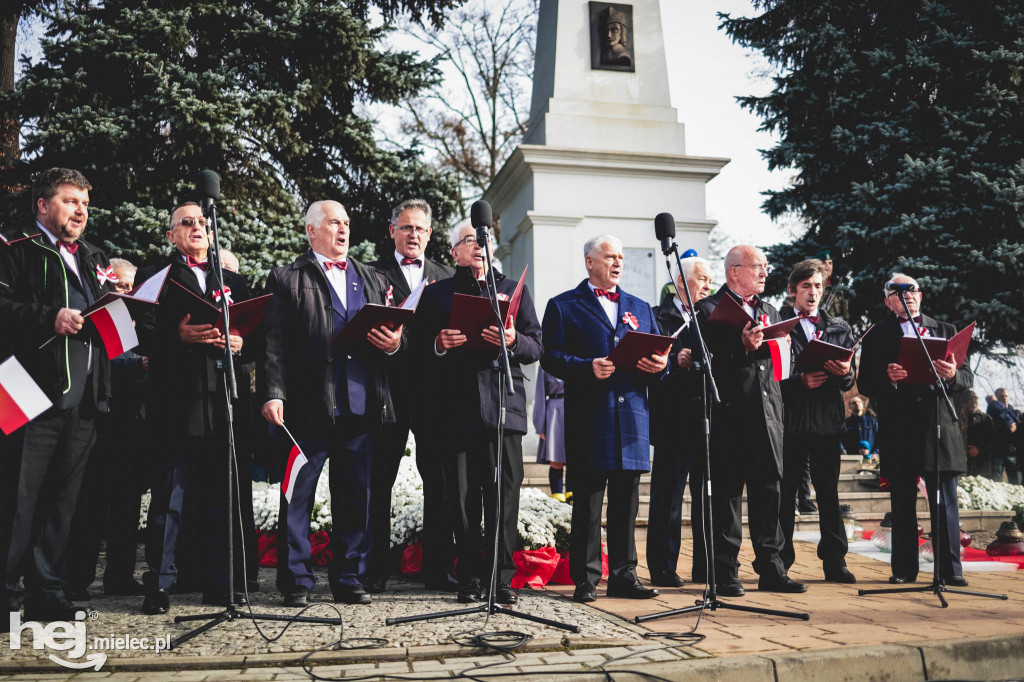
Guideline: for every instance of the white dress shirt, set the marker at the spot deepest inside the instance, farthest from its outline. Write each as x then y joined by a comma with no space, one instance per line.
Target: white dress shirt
682,311
198,272
335,276
69,259
413,274
611,308
809,328
908,329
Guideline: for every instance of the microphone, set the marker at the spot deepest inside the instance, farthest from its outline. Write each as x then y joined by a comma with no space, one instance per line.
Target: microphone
208,188
901,286
665,230
480,218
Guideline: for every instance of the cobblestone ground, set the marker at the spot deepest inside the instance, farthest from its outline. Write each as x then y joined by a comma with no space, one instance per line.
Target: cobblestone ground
122,616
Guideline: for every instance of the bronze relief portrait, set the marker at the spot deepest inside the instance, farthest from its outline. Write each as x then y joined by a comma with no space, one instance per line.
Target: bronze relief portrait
611,37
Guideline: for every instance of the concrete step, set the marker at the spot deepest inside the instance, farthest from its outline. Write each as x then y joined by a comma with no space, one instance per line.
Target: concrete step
849,464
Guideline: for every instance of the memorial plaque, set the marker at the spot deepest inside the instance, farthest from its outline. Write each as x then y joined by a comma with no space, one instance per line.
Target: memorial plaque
639,275
611,37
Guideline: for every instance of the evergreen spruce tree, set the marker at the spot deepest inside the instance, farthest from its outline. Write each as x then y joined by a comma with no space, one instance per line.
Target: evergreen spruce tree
140,95
903,122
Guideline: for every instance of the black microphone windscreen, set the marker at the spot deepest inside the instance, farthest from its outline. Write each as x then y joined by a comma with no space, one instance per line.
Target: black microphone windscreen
480,214
664,226
208,185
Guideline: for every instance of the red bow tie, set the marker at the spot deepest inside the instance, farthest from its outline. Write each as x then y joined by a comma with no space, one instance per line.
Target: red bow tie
812,318
752,301
904,318
610,295
70,247
340,264
193,263
412,261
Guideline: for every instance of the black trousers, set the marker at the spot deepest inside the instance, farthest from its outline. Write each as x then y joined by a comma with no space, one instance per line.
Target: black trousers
945,518
821,453
471,474
670,470
195,469
53,451
438,539
118,473
585,537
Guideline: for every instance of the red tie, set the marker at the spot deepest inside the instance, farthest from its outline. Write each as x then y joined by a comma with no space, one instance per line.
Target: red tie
412,261
610,295
812,318
904,318
340,264
70,247
193,263
752,301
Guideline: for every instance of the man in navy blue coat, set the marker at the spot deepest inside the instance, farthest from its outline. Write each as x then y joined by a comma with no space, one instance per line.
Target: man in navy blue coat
334,396
607,437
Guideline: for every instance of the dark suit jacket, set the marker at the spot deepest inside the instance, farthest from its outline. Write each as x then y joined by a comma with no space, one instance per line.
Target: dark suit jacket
33,289
906,413
299,328
746,387
411,392
186,389
821,411
676,399
607,424
466,380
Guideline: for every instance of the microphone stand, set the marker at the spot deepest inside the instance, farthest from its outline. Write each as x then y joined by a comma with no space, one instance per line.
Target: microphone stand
709,396
505,387
938,587
230,613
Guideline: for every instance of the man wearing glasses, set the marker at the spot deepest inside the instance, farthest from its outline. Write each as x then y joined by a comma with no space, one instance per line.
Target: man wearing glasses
906,433
746,430
187,419
405,269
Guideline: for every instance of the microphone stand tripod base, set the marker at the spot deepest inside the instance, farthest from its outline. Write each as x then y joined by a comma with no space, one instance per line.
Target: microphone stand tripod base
712,603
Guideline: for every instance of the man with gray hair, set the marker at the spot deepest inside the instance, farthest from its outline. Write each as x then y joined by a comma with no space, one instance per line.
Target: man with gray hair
405,269
333,396
606,416
677,434
906,432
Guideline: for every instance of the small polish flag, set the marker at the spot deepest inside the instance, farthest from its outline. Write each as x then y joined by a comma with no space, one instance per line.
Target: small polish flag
114,323
296,460
781,358
21,399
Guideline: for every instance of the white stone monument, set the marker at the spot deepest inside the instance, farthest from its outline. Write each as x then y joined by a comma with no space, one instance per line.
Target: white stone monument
604,153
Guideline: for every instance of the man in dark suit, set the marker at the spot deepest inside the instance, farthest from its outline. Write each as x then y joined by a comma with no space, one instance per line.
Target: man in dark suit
677,433
332,395
906,434
45,283
814,421
468,393
187,417
860,427
980,432
606,416
405,269
746,430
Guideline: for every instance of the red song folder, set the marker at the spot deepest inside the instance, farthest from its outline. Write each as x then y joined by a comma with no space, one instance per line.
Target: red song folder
473,314
637,345
730,313
817,352
245,316
374,315
912,357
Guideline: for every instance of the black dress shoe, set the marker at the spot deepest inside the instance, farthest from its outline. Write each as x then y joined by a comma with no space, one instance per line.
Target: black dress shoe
730,587
504,594
631,591
840,574
666,579
297,597
807,508
470,591
351,594
123,588
218,599
585,593
780,583
446,583
901,579
43,610
78,593
955,581
375,585
157,602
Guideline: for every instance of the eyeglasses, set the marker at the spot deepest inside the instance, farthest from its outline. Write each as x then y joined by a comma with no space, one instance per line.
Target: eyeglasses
767,268
190,221
471,240
409,229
